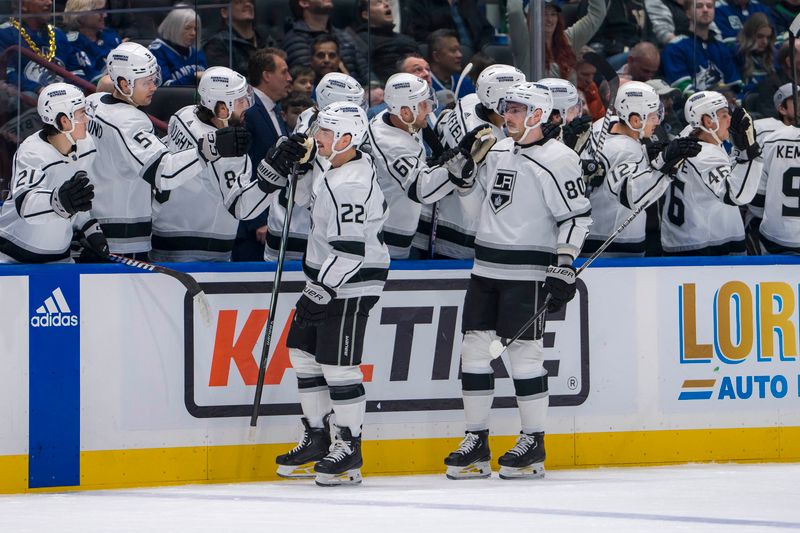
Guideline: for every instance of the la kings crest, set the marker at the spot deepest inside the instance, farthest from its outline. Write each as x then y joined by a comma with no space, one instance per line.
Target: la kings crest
502,189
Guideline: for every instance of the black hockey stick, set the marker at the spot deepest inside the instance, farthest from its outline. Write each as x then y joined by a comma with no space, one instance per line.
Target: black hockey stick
497,347
612,78
273,303
191,285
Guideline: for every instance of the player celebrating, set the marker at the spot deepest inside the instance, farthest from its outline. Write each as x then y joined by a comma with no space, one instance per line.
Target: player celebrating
532,226
566,112
346,264
193,222
456,219
333,87
51,194
405,178
701,213
132,160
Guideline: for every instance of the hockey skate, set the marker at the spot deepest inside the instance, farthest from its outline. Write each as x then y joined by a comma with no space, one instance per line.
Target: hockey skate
342,465
526,459
471,459
298,463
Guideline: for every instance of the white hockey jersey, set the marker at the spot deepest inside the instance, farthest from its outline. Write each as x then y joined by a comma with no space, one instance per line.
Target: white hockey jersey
457,214
630,181
405,179
701,211
131,161
194,222
763,127
30,231
345,250
780,227
534,209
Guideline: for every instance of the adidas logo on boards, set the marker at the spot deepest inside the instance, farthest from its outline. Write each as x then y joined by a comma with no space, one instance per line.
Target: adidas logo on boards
54,312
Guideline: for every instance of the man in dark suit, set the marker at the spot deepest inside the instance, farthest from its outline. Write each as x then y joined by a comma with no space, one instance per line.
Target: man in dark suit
269,76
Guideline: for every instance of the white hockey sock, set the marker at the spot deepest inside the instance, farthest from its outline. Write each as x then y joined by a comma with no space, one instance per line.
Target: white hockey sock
316,404
347,395
476,409
315,398
533,412
351,415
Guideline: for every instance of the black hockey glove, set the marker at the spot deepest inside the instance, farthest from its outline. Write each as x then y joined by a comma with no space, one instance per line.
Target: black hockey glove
560,286
286,152
743,136
551,130
460,168
477,143
653,148
312,306
94,247
233,141
574,129
593,172
676,152
73,195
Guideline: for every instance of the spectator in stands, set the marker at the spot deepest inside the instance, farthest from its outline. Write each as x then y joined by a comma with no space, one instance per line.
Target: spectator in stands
445,59
36,33
375,94
673,122
312,18
731,15
245,39
292,106
176,48
784,12
755,51
410,64
667,19
585,82
88,33
620,30
759,102
302,80
562,45
269,76
376,33
643,63
423,17
325,56
698,61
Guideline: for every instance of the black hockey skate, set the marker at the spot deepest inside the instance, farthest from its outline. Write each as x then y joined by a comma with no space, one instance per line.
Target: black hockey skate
526,459
342,465
313,446
471,459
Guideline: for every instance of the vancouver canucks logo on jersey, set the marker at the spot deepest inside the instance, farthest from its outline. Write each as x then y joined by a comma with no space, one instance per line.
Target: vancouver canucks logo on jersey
502,189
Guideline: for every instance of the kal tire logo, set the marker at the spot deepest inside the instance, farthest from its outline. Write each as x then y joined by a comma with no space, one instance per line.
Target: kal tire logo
54,312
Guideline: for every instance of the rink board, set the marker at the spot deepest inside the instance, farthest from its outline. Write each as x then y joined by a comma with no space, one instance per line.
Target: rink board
112,378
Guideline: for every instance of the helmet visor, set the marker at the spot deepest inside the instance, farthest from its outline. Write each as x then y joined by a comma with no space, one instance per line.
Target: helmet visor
153,79
244,102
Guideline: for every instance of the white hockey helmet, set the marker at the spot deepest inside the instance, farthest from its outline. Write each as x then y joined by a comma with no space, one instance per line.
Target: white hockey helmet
132,61
639,98
406,90
705,103
59,98
343,118
533,95
339,87
565,96
221,84
493,83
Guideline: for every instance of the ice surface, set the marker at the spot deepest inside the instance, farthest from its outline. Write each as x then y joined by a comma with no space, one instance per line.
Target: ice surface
690,498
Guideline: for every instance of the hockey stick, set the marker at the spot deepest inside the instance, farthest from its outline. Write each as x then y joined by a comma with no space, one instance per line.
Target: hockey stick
794,32
273,305
497,347
191,285
467,70
612,78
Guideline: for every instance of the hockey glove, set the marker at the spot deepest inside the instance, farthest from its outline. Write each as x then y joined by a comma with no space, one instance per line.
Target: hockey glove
551,130
233,141
654,148
94,247
477,143
460,168
73,195
676,152
574,129
593,172
311,308
560,286
743,136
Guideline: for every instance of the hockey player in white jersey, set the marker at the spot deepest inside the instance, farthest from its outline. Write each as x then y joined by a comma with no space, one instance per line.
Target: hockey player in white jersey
456,219
570,126
403,173
51,192
132,161
198,221
532,226
701,213
346,264
631,179
333,87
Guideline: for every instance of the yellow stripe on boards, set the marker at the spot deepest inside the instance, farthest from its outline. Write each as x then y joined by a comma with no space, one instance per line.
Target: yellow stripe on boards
13,474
